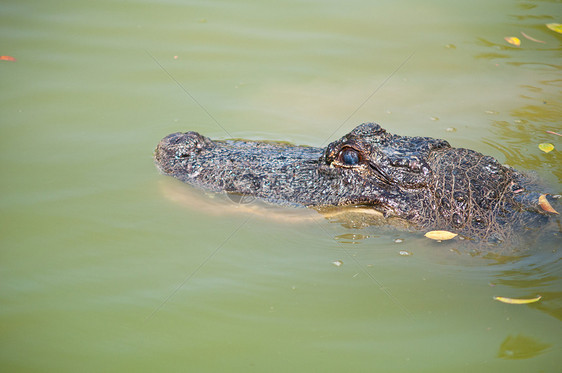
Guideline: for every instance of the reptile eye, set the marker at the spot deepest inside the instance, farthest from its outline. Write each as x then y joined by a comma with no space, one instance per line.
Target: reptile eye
350,157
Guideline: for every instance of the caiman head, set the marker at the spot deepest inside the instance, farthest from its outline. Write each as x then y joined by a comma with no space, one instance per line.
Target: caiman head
368,166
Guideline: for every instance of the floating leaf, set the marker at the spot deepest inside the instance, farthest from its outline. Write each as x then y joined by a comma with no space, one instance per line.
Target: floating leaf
518,301
546,147
532,39
556,27
513,40
545,205
7,58
440,235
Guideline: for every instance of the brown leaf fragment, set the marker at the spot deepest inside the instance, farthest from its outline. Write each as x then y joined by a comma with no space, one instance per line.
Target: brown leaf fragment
532,39
545,205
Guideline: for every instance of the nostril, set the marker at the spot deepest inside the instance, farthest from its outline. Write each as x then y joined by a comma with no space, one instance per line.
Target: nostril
181,145
174,139
180,142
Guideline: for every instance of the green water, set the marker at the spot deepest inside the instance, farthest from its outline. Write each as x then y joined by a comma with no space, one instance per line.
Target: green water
101,271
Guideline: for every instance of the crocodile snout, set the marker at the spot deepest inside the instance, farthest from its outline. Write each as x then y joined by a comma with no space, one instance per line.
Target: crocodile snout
178,146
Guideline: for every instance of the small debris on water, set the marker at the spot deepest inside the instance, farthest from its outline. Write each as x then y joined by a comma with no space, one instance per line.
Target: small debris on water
451,129
556,27
513,40
546,147
491,112
545,205
337,263
450,46
405,253
440,235
434,118
518,301
532,38
398,240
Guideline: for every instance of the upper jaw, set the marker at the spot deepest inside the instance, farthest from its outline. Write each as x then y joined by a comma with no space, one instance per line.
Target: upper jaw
272,171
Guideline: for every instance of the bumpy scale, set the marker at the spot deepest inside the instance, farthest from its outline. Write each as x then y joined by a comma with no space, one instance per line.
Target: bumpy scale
417,179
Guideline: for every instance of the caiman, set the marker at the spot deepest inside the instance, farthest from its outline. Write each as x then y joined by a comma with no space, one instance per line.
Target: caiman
420,180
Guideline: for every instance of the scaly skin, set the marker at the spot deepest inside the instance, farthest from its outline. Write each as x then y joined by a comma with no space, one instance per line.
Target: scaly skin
421,180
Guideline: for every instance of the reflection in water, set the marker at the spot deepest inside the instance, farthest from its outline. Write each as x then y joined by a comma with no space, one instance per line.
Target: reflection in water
351,238
538,109
535,65
551,304
502,258
495,46
516,142
535,275
547,111
491,55
521,347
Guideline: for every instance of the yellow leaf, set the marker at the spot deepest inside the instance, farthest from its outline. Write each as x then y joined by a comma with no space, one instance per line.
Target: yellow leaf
513,40
556,27
545,205
546,147
440,235
517,301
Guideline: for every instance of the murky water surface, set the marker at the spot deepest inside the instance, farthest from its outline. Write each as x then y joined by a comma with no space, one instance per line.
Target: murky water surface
102,269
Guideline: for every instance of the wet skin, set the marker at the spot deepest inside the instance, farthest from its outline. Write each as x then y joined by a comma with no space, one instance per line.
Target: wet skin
421,180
